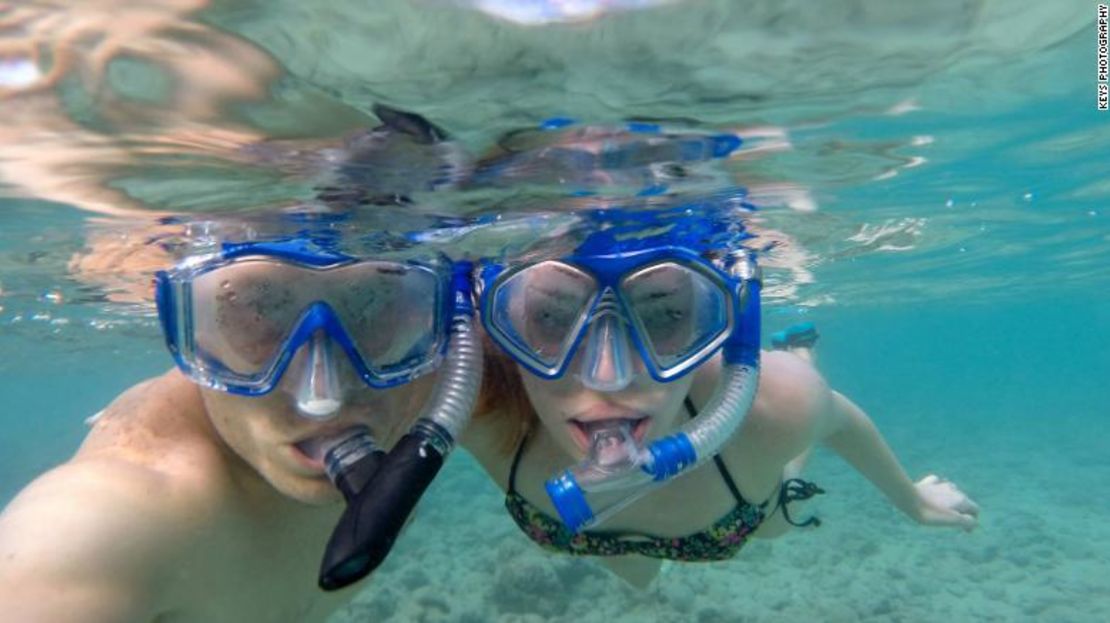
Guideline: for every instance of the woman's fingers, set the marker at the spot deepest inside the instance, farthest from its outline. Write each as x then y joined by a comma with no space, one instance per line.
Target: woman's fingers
949,505
968,505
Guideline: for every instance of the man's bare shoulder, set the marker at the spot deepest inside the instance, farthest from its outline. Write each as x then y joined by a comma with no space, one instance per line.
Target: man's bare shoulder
153,415
99,534
110,496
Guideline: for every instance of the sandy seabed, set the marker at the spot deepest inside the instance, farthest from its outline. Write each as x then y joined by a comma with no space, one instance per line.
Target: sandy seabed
1042,553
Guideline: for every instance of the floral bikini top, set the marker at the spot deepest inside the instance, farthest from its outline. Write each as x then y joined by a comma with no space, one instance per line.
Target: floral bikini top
721,541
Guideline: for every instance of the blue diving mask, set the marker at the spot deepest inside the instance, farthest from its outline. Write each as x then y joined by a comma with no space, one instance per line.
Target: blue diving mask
669,305
235,320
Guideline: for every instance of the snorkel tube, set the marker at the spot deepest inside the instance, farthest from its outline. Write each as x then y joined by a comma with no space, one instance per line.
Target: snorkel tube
617,472
382,489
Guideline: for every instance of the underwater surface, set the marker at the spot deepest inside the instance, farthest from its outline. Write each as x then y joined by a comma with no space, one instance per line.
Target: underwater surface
931,183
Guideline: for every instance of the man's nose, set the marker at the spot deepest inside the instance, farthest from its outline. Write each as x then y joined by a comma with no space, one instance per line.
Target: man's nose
317,387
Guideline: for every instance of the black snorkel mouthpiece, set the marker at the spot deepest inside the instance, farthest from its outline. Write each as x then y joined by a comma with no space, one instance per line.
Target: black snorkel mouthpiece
377,512
351,463
382,489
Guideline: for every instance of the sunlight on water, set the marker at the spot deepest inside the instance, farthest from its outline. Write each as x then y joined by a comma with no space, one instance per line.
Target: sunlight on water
867,146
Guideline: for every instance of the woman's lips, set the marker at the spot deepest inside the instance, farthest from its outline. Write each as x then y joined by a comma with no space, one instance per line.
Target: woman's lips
580,430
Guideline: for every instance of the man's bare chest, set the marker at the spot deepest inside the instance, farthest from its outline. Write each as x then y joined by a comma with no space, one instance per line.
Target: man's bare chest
268,578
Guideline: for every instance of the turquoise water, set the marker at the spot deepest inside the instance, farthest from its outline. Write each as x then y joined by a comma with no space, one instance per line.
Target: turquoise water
1006,401
938,174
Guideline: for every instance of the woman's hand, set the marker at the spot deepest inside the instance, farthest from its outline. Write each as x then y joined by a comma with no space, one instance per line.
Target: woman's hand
941,503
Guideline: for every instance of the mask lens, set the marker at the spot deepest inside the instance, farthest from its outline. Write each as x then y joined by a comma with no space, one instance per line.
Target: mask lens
679,311
243,312
392,312
542,309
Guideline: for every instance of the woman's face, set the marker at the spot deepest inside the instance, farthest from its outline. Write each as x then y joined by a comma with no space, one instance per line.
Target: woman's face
667,299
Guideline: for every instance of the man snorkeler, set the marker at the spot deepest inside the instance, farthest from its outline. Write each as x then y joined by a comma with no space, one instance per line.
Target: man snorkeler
206,494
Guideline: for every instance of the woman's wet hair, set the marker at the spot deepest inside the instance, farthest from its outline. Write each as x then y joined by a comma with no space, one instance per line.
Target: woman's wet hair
503,396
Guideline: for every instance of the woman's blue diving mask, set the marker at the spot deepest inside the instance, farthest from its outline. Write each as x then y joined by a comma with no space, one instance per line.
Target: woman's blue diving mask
670,305
235,321
591,314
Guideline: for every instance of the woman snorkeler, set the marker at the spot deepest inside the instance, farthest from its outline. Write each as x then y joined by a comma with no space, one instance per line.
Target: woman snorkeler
634,361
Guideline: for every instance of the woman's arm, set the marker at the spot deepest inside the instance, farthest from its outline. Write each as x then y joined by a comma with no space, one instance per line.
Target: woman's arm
931,501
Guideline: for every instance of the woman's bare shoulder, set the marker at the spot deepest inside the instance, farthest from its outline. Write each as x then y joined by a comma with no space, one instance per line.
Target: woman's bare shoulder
788,382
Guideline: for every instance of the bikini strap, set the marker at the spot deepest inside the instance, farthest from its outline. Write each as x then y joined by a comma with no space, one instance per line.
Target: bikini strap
516,462
796,489
727,477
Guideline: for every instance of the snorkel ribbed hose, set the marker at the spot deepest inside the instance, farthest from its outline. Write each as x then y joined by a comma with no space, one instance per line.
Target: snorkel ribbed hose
462,378
375,516
587,494
722,416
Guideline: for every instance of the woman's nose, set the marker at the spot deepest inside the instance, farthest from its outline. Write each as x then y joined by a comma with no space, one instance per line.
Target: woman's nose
607,362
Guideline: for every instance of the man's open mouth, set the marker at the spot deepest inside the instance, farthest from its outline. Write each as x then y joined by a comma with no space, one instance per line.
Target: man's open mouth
315,448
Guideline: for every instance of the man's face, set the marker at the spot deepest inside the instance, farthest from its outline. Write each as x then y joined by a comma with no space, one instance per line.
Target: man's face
268,433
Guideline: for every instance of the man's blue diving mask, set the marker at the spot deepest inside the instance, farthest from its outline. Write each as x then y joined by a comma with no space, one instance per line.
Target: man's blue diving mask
234,320
674,307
